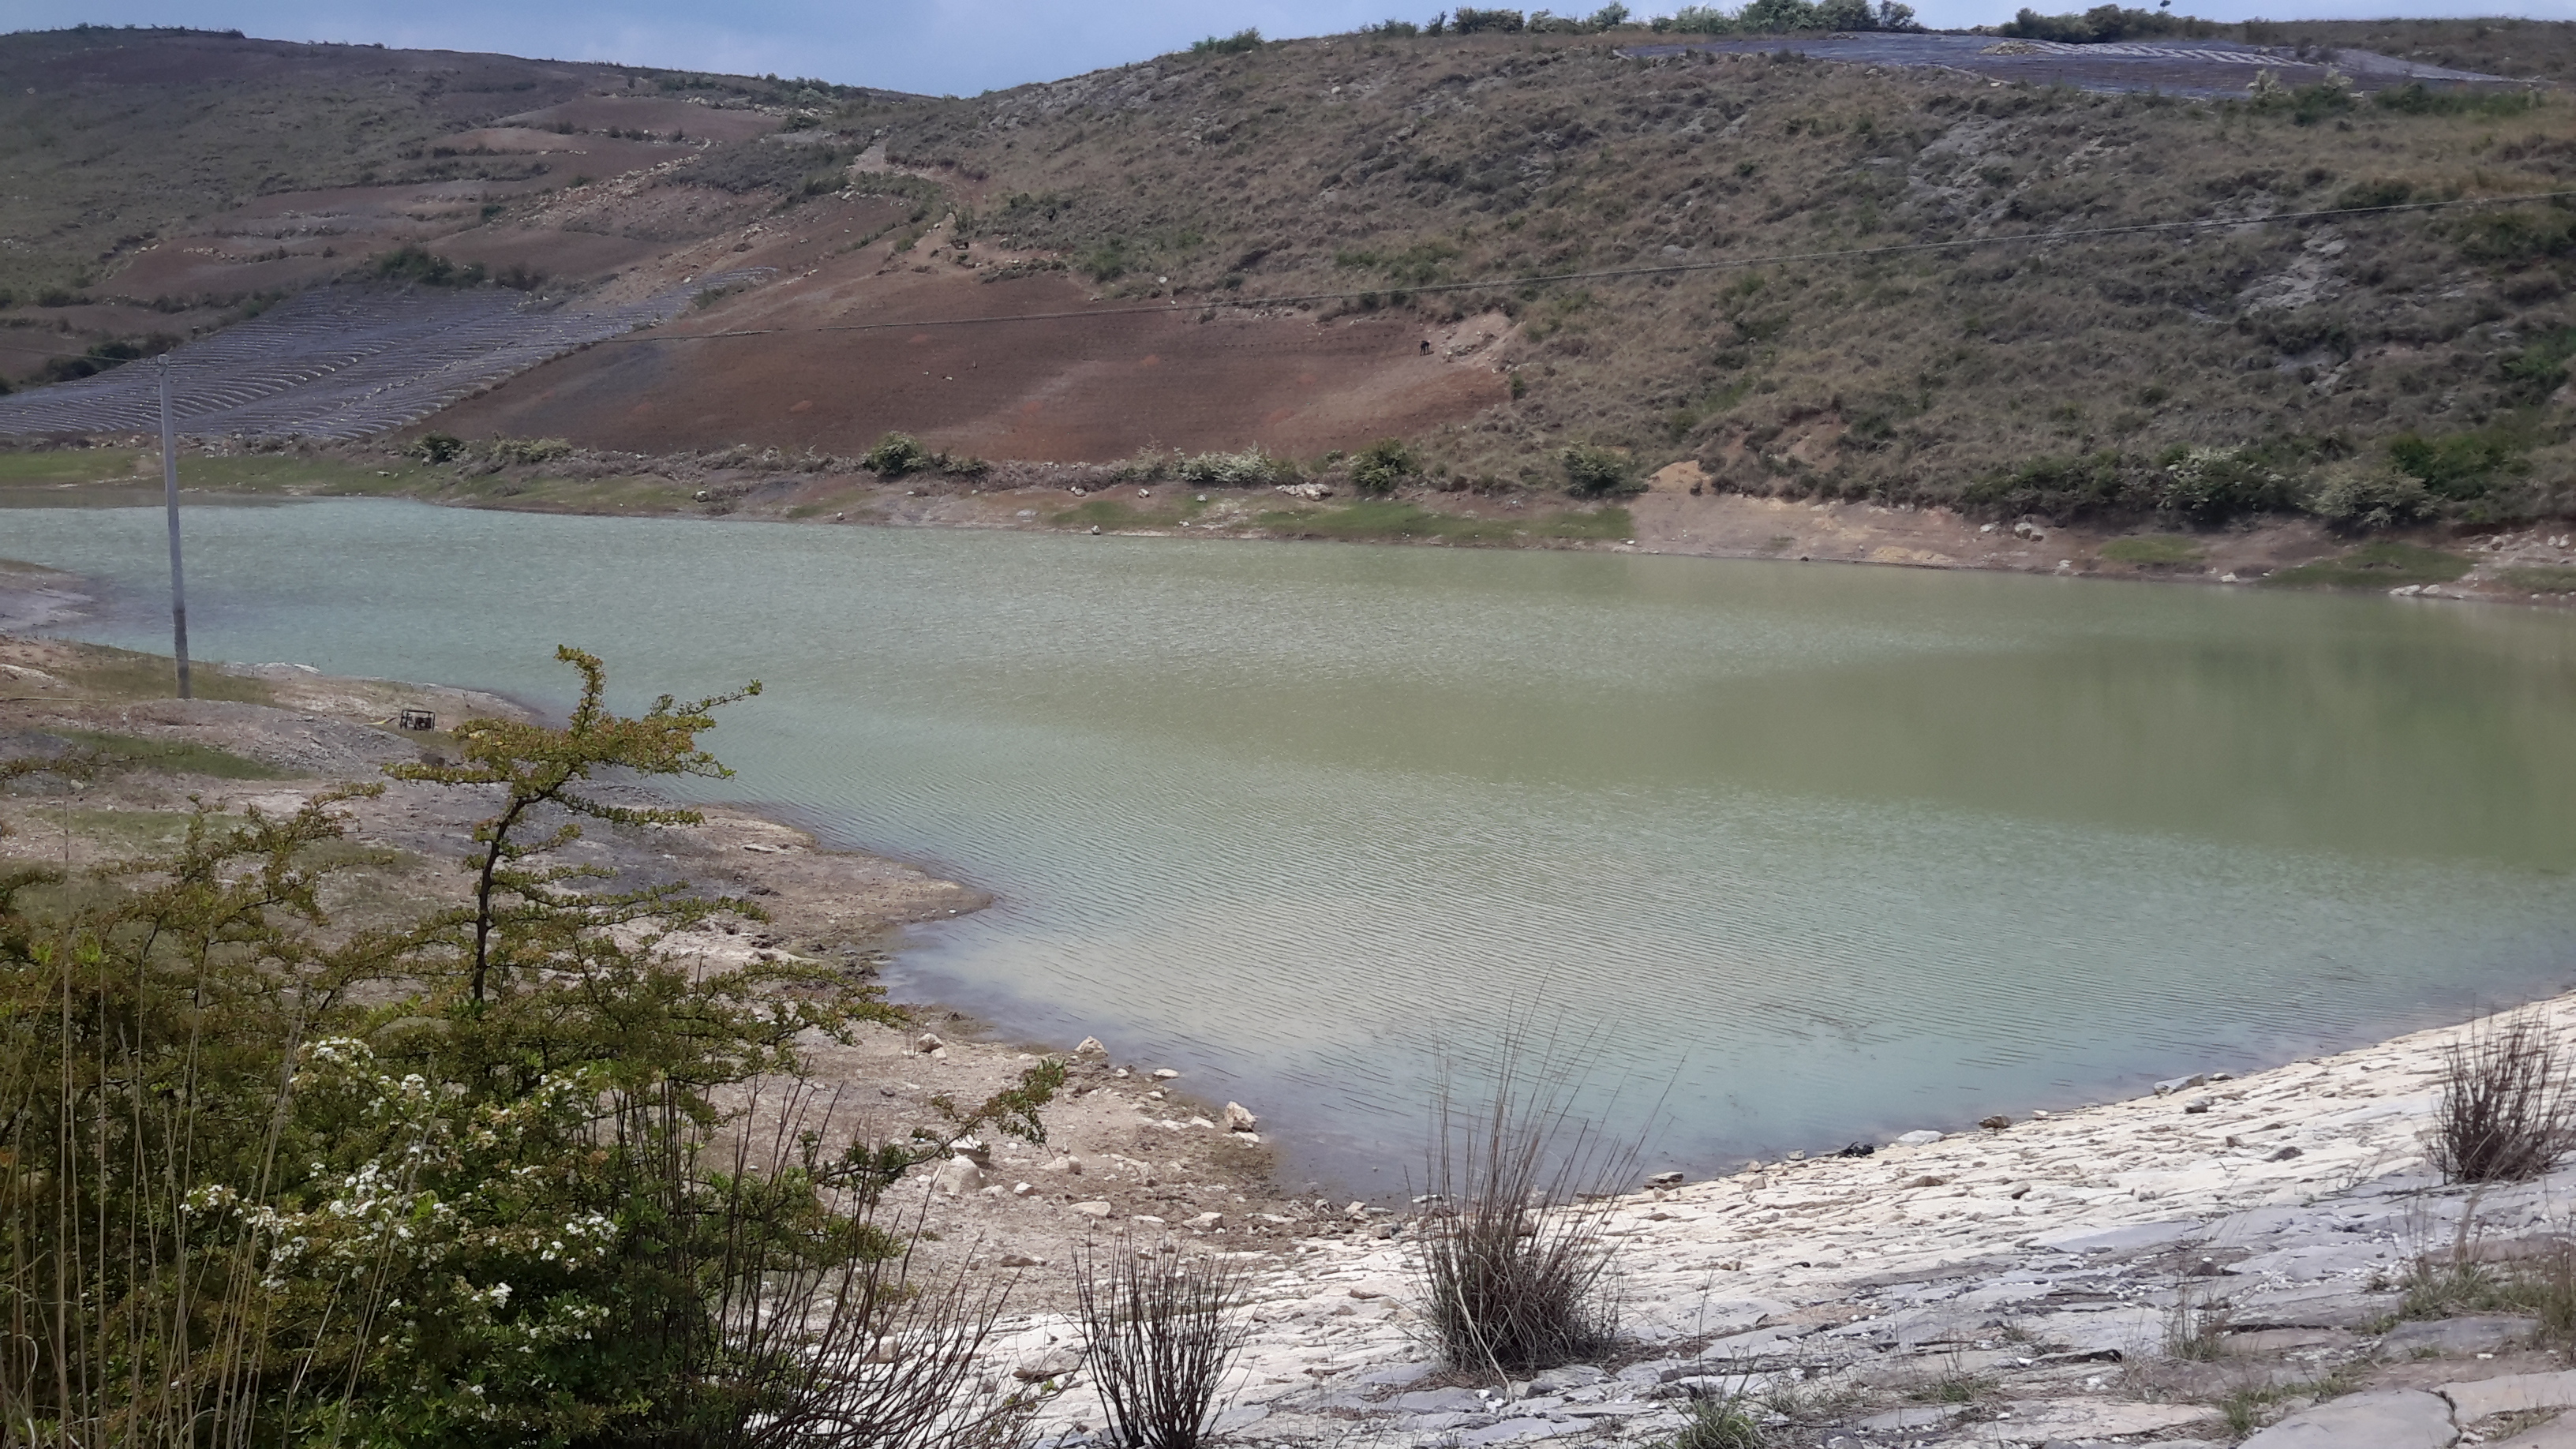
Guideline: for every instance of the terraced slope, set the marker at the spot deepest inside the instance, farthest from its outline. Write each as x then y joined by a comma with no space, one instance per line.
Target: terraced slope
338,363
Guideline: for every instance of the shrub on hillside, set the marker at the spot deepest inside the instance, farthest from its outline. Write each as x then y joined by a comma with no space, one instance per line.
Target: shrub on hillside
526,452
2102,23
2540,368
1467,20
2519,235
1592,471
2460,467
1235,44
437,448
2363,499
418,264
1382,465
897,454
1248,469
100,357
1778,17
2058,489
2213,485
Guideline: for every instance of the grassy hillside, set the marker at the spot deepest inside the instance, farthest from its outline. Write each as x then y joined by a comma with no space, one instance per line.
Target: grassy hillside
2057,378
2383,369
112,137
268,166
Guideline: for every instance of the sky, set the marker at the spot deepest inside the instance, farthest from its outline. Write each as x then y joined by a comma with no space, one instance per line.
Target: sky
956,47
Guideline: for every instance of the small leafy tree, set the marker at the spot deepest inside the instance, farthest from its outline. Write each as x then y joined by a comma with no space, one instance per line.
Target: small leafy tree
1592,471
1382,465
510,1174
438,448
2213,485
2367,499
897,454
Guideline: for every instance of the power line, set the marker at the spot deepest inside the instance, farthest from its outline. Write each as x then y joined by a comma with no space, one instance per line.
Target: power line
1618,273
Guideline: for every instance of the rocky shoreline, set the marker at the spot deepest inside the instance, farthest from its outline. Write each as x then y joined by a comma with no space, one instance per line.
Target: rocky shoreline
2180,1268
2185,1268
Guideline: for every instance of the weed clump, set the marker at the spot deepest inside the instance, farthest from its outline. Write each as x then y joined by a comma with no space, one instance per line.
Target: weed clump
2508,1106
1723,1421
1160,1332
1514,1264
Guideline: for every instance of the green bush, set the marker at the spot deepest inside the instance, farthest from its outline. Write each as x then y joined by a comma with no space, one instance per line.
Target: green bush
527,452
1467,20
1724,1421
2540,368
2102,23
897,454
437,448
1248,469
2213,485
2455,466
2364,500
1592,471
505,1174
2058,489
1382,465
2363,195
1235,44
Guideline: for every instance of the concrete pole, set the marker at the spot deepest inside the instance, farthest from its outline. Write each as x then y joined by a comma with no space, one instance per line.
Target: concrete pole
170,489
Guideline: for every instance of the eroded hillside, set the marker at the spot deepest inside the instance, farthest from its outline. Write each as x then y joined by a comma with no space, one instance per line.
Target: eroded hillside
1888,281
2056,374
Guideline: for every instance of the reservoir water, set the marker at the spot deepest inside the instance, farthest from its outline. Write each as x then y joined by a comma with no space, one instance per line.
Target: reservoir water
1799,854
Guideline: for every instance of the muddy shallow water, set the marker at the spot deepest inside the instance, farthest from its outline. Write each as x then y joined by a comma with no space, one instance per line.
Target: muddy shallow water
1795,854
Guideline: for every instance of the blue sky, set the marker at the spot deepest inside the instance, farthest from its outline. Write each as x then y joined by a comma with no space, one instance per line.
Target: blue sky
934,46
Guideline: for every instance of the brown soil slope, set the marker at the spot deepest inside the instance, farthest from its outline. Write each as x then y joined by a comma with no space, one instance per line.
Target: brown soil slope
1073,385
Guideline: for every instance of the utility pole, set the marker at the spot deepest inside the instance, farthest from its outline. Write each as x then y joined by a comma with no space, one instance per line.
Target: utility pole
170,489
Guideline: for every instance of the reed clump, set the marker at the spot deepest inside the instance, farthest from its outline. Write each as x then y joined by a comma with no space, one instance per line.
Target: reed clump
1160,1329
1514,1264
2508,1104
